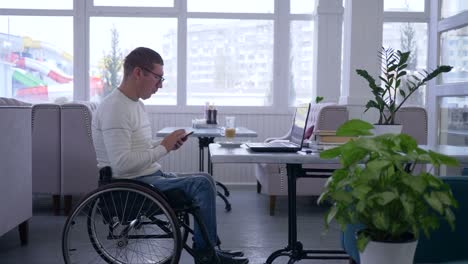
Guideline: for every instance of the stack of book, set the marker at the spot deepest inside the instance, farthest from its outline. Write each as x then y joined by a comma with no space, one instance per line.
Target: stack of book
324,137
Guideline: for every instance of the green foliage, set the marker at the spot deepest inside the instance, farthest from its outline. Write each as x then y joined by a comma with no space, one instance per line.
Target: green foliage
112,64
378,186
394,78
318,99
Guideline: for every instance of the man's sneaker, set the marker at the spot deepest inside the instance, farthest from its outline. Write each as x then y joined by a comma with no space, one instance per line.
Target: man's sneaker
209,258
233,253
225,259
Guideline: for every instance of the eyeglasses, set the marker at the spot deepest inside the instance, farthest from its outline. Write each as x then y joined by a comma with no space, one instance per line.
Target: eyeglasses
157,76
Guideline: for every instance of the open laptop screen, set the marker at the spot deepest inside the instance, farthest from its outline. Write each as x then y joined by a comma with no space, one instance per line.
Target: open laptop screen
300,121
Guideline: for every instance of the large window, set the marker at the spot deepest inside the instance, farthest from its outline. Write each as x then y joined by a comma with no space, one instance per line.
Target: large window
454,52
449,96
229,62
36,62
404,5
409,37
453,114
405,28
111,38
452,7
231,52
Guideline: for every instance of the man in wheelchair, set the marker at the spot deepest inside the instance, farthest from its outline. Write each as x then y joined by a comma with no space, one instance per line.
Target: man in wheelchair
123,141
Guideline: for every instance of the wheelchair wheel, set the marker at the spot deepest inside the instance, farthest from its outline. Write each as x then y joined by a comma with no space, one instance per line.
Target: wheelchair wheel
122,223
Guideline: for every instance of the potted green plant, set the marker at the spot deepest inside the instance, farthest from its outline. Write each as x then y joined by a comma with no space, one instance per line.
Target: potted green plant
379,187
395,81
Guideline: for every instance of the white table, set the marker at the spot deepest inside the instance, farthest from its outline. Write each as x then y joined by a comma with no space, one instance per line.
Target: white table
294,250
458,152
205,137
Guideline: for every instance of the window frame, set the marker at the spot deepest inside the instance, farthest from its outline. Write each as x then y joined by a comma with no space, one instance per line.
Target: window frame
438,90
83,10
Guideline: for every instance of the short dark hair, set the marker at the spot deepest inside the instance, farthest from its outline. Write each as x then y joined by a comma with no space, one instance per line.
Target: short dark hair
141,57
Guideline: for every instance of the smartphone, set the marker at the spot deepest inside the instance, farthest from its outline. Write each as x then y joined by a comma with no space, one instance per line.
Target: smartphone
184,137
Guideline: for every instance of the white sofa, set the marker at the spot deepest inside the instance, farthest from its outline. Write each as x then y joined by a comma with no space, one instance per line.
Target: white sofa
15,168
78,158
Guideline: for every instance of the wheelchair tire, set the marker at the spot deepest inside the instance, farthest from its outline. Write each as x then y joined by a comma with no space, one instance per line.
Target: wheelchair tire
122,223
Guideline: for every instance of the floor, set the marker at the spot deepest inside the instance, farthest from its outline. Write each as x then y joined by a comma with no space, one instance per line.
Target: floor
247,227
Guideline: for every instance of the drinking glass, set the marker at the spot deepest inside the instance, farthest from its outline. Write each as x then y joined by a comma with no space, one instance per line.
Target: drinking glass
230,128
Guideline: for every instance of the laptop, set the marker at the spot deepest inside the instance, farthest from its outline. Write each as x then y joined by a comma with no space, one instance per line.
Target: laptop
299,125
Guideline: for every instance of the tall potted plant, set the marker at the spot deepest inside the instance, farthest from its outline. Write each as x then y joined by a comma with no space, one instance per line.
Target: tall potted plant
395,81
379,187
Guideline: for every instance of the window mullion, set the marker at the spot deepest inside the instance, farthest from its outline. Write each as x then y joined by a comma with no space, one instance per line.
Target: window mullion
281,50
182,54
80,50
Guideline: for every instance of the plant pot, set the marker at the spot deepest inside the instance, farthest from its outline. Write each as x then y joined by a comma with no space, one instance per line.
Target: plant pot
386,129
388,253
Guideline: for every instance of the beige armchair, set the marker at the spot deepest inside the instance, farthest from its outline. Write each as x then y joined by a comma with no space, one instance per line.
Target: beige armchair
272,178
414,122
78,163
15,168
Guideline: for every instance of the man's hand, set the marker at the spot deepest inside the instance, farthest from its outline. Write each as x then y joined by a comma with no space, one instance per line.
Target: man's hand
174,140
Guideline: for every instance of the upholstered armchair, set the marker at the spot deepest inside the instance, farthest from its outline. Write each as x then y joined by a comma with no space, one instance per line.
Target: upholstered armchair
272,178
15,168
46,155
78,163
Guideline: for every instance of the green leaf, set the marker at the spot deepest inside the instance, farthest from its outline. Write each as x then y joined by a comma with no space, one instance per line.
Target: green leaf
318,99
331,153
416,183
402,93
443,159
386,197
380,221
450,216
362,242
331,214
443,197
432,200
407,205
355,127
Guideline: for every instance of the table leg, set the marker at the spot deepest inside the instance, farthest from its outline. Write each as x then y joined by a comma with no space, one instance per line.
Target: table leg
294,249
204,142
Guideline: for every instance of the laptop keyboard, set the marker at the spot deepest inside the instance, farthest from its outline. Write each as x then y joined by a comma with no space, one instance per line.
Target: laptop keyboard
278,144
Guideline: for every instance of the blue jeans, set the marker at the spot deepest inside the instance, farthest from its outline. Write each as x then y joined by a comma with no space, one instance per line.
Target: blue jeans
200,188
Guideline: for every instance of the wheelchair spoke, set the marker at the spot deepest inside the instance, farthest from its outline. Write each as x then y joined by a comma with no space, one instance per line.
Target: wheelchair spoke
120,224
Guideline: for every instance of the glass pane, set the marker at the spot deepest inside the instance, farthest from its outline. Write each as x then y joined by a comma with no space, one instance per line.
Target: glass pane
454,52
112,38
301,62
303,6
230,62
36,64
409,37
453,112
231,6
404,5
452,7
146,3
34,4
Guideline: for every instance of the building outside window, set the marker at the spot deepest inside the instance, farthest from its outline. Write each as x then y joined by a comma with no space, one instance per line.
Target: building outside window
217,51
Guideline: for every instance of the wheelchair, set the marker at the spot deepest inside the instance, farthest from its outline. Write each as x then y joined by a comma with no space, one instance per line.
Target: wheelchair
127,221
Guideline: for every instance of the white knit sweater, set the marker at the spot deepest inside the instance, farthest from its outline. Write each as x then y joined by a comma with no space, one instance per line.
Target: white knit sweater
122,137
